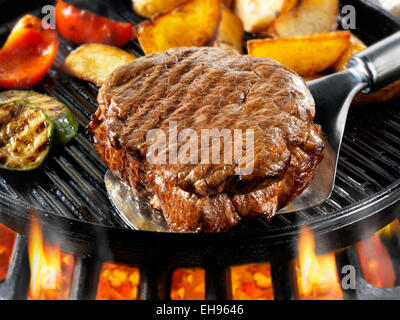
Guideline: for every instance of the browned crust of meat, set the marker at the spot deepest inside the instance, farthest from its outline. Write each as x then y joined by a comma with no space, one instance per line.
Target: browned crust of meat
209,88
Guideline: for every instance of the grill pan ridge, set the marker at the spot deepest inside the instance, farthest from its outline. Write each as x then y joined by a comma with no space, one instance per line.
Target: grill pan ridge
68,192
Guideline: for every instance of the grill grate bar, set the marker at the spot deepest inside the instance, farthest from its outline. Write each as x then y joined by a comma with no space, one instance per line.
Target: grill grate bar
10,190
62,94
50,203
367,163
303,214
357,172
333,204
284,219
264,223
392,115
327,207
68,90
379,143
394,139
70,199
83,190
393,125
319,211
82,95
78,178
343,194
84,163
96,205
376,156
352,185
88,150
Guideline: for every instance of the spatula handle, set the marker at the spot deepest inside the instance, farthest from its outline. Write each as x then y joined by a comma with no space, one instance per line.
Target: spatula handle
382,61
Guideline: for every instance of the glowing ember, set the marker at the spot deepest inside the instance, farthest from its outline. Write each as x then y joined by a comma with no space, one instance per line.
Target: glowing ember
252,282
7,239
188,284
118,282
51,270
376,264
317,277
390,230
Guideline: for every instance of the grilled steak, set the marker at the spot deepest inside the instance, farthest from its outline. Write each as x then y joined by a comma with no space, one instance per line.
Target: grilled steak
200,89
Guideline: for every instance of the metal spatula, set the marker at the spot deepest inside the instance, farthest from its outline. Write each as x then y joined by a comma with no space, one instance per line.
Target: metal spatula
368,70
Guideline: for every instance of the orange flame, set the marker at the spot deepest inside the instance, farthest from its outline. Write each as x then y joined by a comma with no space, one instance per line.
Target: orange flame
391,230
252,282
7,239
317,277
118,282
376,264
51,270
249,282
188,284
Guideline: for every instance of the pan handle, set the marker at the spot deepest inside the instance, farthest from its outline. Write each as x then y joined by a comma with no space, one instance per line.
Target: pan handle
382,61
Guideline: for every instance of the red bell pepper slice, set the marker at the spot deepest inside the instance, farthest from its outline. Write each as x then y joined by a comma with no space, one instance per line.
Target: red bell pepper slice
81,26
27,54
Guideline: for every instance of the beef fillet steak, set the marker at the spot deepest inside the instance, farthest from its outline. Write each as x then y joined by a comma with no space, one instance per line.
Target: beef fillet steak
200,89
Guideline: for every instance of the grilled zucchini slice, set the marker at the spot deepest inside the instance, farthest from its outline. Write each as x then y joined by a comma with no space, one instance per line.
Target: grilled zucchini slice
66,125
25,136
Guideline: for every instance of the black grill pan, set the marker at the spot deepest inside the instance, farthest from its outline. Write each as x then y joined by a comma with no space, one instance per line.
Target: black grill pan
68,192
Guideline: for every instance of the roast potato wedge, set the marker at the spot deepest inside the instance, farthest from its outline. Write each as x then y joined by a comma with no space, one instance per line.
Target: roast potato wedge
152,8
95,62
356,45
306,55
308,18
230,32
227,3
192,24
288,5
257,15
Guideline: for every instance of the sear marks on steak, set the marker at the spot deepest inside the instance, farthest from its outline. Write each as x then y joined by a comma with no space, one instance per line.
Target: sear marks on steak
209,88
